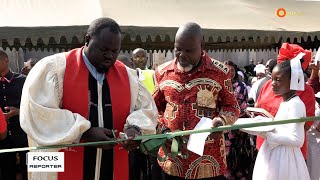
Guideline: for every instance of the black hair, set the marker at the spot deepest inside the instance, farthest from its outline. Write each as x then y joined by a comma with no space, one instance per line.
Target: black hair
33,61
101,23
3,54
285,68
301,61
272,64
235,67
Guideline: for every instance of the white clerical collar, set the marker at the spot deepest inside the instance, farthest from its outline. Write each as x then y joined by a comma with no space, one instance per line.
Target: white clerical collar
93,71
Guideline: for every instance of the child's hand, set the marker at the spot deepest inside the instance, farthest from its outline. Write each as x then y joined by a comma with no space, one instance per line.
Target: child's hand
313,65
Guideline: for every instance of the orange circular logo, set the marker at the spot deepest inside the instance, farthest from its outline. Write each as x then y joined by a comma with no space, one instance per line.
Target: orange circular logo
281,12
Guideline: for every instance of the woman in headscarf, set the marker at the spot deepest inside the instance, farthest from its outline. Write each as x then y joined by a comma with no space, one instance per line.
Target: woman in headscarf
238,147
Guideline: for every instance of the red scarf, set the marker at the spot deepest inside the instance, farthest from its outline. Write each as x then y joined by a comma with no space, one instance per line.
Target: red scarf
289,51
75,99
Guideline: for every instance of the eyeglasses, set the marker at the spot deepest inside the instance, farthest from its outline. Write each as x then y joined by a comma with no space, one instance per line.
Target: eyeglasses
139,58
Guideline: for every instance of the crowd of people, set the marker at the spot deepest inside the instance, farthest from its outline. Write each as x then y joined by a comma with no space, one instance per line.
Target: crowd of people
92,94
12,165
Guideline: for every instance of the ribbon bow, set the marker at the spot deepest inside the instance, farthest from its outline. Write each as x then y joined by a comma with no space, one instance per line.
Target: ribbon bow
178,143
297,77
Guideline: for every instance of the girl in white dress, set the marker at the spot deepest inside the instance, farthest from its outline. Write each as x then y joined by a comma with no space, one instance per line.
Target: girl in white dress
280,157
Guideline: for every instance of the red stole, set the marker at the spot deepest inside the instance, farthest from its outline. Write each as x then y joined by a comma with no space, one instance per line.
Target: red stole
75,99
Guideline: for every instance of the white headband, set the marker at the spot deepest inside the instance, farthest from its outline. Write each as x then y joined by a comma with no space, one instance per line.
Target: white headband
297,77
260,68
317,57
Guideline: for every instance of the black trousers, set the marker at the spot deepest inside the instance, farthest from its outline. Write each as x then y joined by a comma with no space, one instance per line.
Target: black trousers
8,167
143,167
22,166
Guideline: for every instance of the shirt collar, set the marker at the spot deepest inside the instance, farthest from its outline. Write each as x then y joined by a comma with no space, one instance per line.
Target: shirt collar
8,77
204,64
93,71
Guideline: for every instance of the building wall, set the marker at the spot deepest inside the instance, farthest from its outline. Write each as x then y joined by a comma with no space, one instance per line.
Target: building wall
240,57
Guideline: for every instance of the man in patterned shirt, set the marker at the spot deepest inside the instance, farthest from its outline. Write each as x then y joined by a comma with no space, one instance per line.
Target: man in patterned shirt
188,88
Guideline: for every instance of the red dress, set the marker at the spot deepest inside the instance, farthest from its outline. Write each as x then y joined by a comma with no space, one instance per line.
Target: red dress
270,102
182,99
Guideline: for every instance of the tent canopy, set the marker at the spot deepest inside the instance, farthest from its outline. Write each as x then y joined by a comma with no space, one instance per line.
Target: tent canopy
63,23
